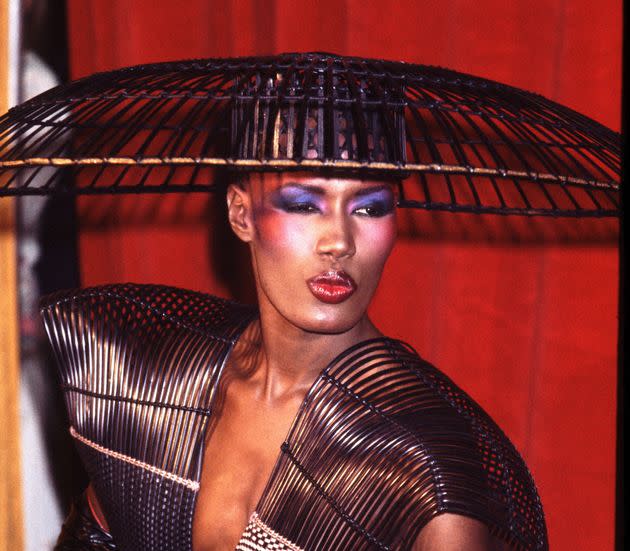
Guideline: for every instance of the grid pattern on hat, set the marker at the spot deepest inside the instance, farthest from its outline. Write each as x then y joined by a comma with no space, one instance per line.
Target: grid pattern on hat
461,143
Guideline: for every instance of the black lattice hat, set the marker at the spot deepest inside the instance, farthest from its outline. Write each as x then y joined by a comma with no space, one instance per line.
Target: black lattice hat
463,143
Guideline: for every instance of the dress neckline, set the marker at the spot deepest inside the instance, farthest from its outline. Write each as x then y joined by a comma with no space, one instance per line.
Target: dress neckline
296,418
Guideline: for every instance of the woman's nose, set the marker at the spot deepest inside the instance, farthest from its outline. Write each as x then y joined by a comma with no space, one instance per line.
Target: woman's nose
337,239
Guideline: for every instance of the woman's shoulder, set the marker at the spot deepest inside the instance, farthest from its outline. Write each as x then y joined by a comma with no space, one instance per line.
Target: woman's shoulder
404,391
439,440
131,305
113,334
391,378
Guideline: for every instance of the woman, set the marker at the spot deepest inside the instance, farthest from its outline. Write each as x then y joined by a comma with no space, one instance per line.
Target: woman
205,425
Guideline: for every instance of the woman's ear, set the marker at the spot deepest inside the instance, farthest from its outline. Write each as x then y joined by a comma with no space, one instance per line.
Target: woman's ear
240,212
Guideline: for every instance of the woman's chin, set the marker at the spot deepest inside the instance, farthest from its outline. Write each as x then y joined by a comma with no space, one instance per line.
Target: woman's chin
328,328
327,322
314,316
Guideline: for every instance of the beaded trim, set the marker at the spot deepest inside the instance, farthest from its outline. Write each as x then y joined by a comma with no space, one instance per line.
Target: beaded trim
260,537
190,484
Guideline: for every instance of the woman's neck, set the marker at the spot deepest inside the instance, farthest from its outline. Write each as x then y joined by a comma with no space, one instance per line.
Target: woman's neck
289,359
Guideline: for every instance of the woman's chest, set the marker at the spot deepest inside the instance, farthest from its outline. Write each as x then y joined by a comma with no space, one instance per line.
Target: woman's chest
241,451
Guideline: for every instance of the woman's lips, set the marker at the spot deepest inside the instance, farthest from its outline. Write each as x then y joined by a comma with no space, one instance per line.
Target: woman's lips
332,287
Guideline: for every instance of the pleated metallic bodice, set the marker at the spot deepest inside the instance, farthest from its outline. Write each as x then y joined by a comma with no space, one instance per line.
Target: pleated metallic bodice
382,443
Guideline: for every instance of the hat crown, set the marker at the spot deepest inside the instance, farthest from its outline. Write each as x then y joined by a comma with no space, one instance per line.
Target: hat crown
316,106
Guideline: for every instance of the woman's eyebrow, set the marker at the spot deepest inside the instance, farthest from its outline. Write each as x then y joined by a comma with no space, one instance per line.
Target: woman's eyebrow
317,190
372,189
321,190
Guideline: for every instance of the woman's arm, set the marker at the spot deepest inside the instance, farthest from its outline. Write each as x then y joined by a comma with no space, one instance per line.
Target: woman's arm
85,528
450,532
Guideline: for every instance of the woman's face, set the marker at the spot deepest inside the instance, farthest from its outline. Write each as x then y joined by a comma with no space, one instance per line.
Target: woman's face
318,244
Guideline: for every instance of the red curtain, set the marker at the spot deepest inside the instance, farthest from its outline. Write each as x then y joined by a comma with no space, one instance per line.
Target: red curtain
522,314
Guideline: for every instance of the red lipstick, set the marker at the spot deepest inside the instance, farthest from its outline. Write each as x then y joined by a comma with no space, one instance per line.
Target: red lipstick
332,287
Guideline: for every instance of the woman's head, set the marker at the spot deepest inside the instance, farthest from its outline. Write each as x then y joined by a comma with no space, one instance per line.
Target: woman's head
318,244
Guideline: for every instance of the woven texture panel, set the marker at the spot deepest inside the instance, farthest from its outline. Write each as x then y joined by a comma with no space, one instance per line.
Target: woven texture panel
461,143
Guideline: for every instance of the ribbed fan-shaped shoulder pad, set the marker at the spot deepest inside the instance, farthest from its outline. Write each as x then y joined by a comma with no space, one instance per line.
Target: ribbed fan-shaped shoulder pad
383,430
133,305
139,364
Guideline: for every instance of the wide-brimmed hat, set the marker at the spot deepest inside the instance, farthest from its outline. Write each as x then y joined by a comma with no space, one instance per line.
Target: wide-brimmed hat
459,142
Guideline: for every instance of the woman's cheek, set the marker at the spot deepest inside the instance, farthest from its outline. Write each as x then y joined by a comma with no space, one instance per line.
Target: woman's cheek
380,238
280,235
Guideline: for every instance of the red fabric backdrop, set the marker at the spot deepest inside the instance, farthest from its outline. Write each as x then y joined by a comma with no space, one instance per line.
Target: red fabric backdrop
523,319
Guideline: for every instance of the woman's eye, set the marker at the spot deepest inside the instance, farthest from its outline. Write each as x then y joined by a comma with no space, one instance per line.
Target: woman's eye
373,211
300,207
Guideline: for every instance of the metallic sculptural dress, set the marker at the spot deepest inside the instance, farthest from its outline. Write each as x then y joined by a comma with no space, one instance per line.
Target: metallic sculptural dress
382,442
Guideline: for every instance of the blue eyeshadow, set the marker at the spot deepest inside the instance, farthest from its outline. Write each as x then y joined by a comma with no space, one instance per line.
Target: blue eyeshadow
381,200
288,197
300,199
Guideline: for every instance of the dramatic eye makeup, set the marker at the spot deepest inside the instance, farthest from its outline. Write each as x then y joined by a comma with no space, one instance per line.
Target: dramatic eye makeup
374,202
297,198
